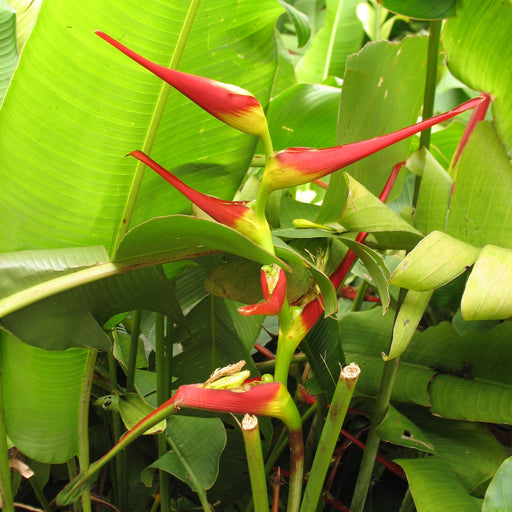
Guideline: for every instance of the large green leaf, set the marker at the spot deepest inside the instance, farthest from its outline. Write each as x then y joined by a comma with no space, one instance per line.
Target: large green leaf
311,125
435,261
382,92
487,293
66,180
431,10
476,54
498,497
480,209
435,487
340,36
8,46
26,15
42,392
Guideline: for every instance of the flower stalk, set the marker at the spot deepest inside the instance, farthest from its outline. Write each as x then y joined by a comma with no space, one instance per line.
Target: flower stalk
254,452
330,432
265,399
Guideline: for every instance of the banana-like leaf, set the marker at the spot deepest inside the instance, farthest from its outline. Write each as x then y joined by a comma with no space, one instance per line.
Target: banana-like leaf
434,486
42,392
374,76
499,494
312,125
26,15
476,55
435,192
480,212
365,212
340,36
300,22
76,107
8,46
433,10
435,261
407,320
459,377
487,293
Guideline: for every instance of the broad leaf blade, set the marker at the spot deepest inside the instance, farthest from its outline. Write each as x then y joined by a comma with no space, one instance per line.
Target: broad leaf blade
197,445
44,426
67,181
476,54
432,10
8,46
499,493
435,487
487,293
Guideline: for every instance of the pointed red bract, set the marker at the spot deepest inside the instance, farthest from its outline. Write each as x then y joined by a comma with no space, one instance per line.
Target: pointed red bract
234,214
274,295
296,166
229,103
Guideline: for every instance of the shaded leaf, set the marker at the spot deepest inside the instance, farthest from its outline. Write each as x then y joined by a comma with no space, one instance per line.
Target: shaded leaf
435,487
432,10
196,447
44,426
498,497
300,22
8,46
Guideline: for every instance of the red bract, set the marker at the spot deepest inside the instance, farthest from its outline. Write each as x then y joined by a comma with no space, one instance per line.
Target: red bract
296,166
234,214
232,105
273,284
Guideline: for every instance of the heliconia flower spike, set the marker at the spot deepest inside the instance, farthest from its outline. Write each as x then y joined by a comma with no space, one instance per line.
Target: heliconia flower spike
265,399
234,214
312,310
296,166
273,284
231,104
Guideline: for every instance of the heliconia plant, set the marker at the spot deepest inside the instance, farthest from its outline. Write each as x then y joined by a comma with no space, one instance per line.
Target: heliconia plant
278,287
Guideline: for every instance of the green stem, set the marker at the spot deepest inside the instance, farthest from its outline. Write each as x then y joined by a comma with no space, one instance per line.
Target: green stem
252,441
161,394
359,298
372,443
197,486
430,91
83,425
337,412
269,366
5,472
132,357
39,494
118,476
155,123
408,503
72,475
85,479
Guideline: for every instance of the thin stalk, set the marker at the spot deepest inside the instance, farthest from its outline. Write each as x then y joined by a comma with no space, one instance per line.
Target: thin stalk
330,433
39,494
372,443
281,443
132,356
72,474
155,123
118,476
161,394
252,441
430,90
83,425
269,366
199,490
360,295
5,472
